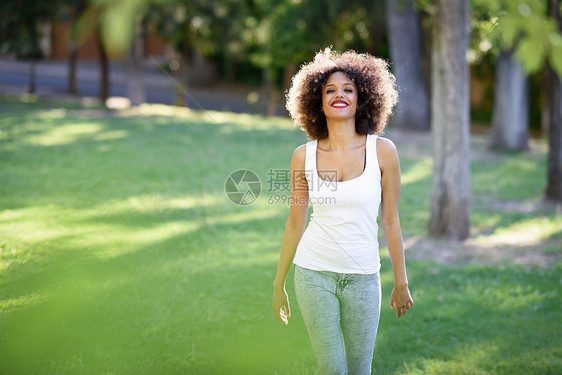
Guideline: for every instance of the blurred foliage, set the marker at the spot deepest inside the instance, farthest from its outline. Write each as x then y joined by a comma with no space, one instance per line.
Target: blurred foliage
275,33
20,24
115,19
237,33
263,33
522,25
297,30
250,40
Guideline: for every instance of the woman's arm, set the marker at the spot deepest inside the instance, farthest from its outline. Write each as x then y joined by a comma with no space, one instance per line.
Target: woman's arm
294,229
390,183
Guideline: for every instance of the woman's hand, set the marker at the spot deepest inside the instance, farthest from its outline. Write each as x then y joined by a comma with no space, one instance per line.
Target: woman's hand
280,305
401,299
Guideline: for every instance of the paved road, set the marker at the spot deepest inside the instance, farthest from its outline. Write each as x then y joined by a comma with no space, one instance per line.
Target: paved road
52,80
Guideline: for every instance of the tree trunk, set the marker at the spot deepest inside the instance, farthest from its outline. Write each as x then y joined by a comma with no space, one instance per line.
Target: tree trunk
203,70
288,73
510,118
180,79
271,96
34,53
182,75
74,46
72,65
134,84
554,182
406,52
104,68
32,76
544,103
554,89
450,208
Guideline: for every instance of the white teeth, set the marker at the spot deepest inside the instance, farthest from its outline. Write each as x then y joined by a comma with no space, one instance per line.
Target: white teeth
339,105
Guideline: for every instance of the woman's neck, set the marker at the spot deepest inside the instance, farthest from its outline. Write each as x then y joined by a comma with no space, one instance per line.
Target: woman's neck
341,135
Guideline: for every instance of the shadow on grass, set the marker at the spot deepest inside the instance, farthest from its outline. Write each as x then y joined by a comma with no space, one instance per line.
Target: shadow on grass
198,300
127,157
474,319
136,314
159,309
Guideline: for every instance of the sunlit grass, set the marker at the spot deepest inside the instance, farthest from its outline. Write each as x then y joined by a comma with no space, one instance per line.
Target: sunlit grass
511,167
420,169
529,231
120,253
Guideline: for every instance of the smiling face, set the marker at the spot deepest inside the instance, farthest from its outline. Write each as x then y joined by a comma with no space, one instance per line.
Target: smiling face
339,97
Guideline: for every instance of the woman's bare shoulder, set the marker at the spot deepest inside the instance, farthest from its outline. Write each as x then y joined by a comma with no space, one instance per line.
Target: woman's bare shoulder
300,149
386,151
385,144
299,155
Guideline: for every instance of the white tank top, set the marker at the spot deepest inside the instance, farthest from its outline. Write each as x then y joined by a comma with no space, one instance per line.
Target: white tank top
342,233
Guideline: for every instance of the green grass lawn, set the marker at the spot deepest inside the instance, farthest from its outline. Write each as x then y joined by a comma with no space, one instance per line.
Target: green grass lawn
121,254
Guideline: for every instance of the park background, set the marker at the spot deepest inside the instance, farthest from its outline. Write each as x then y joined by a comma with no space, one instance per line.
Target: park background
121,253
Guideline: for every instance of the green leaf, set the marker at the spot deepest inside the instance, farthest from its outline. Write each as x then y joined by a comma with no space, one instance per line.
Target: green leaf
531,54
117,31
509,29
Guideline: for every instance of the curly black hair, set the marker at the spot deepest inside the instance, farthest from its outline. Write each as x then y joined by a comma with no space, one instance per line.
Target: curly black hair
376,90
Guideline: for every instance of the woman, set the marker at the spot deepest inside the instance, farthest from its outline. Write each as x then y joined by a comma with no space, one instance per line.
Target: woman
346,172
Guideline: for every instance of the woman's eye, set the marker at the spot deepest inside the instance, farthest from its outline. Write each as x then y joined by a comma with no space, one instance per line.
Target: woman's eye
348,90
329,91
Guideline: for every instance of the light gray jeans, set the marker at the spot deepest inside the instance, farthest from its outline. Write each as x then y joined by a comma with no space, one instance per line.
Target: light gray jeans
341,313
